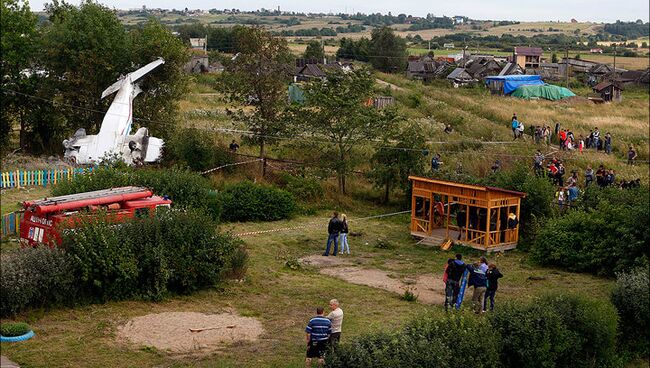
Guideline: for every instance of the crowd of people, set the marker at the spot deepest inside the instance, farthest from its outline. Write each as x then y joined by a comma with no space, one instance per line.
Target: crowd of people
482,276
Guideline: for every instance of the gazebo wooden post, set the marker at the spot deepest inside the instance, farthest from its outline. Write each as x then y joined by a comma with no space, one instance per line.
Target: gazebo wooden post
413,213
466,219
448,213
518,220
487,226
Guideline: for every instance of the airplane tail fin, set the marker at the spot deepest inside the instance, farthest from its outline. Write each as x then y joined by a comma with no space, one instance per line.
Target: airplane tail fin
133,76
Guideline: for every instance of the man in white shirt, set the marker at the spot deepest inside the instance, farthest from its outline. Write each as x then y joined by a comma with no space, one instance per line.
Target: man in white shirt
336,317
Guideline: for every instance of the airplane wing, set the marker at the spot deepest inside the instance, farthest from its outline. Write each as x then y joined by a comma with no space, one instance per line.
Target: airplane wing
134,76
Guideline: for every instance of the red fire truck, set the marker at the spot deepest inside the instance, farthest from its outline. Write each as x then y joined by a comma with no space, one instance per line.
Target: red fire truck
43,218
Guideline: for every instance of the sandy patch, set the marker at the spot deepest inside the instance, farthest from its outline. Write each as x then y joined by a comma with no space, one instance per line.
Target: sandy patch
318,260
428,288
170,331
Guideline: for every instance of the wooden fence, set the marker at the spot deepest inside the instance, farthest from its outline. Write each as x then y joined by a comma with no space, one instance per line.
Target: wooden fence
30,178
11,223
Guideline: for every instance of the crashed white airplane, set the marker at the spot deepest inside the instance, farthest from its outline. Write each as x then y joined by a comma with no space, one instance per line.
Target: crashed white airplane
114,135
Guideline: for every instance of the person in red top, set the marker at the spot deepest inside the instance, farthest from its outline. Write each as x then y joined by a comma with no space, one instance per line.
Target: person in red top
562,138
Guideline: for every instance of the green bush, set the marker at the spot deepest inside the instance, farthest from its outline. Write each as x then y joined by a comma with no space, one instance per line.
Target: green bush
197,150
631,297
185,188
424,342
35,277
174,251
608,233
556,331
306,189
246,201
14,329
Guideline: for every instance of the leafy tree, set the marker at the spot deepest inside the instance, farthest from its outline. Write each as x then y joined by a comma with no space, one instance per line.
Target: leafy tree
388,50
336,110
399,157
314,51
18,34
258,76
554,58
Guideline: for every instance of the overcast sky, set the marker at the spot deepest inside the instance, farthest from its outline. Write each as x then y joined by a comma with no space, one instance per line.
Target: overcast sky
522,10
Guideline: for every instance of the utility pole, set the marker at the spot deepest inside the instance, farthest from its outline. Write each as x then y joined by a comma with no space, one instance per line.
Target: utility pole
464,48
614,59
566,68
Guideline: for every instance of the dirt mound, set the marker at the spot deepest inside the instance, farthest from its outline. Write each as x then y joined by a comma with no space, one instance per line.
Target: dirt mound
429,289
170,331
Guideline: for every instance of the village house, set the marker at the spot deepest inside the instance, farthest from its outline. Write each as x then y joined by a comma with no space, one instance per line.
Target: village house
511,69
527,57
640,77
609,91
421,70
460,77
484,67
310,71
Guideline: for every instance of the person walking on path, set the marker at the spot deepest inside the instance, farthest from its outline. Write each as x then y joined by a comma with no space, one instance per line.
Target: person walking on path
344,234
455,270
631,156
336,317
318,331
493,275
333,229
478,279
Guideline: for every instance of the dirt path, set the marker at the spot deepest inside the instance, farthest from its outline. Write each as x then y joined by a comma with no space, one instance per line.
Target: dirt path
428,288
392,86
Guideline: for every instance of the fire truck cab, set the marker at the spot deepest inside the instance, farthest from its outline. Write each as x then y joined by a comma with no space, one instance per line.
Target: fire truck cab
43,218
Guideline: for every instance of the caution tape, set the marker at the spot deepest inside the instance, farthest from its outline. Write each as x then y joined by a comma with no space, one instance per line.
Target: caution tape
235,164
313,224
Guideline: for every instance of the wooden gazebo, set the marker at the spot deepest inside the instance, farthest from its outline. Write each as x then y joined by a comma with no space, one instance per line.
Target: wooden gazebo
484,218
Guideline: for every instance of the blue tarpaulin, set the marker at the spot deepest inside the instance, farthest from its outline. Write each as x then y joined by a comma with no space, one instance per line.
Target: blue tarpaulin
512,82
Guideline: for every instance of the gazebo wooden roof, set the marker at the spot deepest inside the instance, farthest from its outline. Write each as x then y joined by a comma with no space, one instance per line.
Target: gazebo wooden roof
478,216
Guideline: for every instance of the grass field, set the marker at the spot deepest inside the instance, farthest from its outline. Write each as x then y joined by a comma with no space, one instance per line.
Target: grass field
282,298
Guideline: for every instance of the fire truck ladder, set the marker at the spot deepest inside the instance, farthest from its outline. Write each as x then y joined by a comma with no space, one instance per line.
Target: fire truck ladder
87,196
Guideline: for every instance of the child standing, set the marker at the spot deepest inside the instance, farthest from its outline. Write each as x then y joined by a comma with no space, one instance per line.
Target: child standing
344,235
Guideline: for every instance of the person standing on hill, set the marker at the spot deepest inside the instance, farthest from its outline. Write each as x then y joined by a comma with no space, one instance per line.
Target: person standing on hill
631,156
344,234
515,126
608,143
596,142
589,175
455,270
318,332
336,317
493,275
333,229
478,279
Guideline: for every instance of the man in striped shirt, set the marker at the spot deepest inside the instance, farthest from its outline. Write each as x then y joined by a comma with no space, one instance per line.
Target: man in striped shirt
318,332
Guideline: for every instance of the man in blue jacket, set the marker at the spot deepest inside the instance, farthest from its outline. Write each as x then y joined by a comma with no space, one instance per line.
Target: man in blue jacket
455,269
478,279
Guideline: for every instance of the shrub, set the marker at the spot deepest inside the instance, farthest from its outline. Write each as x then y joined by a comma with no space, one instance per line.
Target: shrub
197,150
175,251
556,331
35,277
424,342
306,189
14,329
631,297
239,263
185,188
607,234
246,201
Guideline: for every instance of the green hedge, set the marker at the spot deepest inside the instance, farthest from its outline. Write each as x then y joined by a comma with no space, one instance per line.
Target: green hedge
560,330
35,277
306,189
246,201
175,251
453,341
551,331
186,188
605,234
197,150
631,297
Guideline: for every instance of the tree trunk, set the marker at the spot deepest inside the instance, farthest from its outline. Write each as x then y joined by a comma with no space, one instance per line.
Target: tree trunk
22,137
387,191
263,157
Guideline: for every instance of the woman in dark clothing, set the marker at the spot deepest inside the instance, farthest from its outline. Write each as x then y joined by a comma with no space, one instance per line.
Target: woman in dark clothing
461,220
493,276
